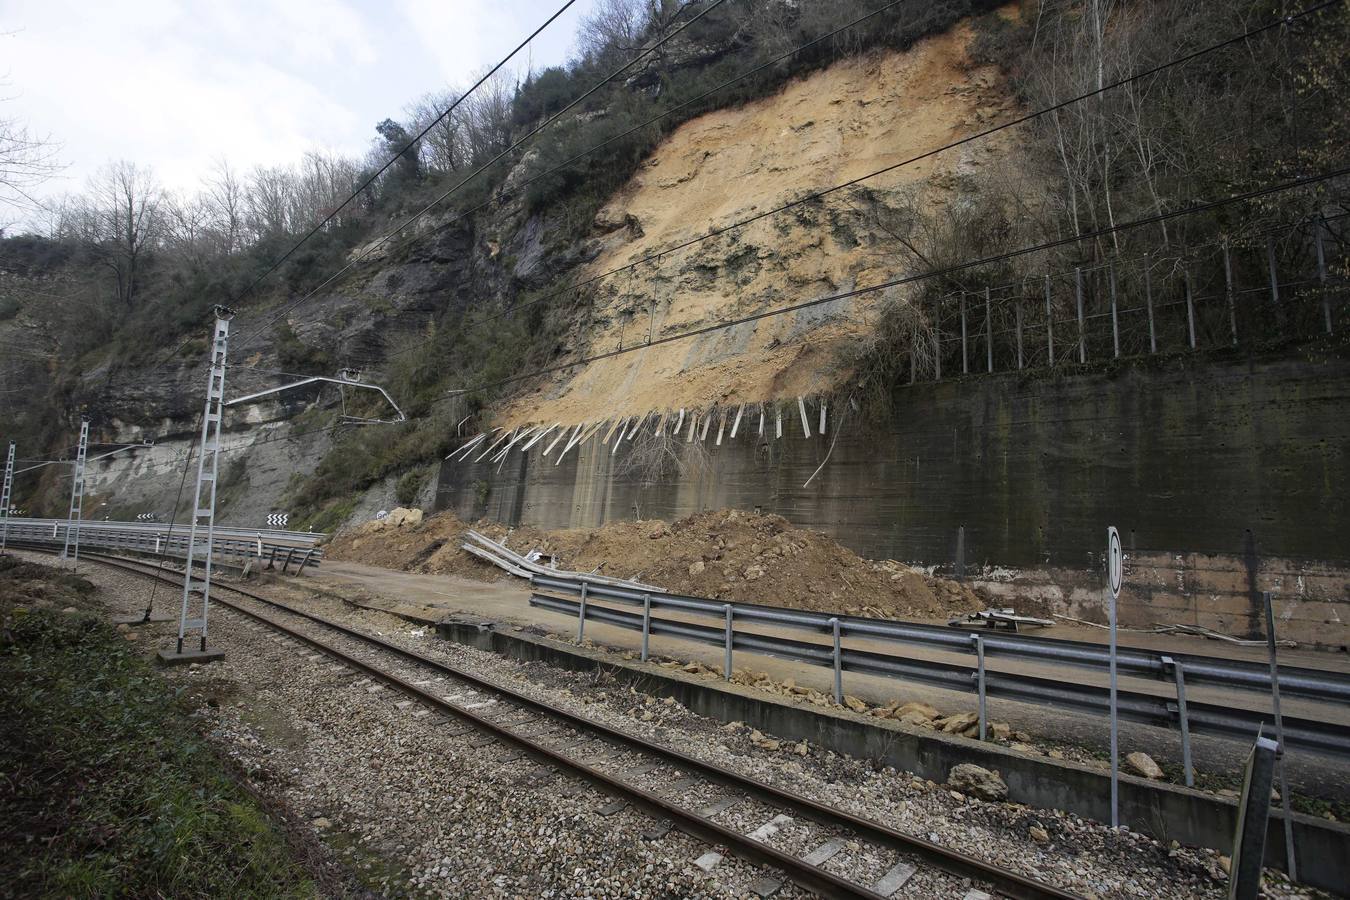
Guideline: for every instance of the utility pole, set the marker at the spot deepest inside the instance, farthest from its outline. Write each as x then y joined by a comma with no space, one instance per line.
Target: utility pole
204,496
5,497
71,550
204,501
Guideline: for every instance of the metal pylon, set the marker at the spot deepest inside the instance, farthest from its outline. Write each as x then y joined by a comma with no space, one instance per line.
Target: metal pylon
204,497
71,550
5,497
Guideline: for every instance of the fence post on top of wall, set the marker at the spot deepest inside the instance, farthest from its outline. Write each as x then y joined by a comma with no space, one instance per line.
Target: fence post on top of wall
1322,274
960,551
965,359
1049,323
988,332
1148,302
1082,334
1228,291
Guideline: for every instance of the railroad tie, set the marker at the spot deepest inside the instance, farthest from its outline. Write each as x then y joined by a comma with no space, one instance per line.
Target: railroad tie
770,828
764,886
707,861
895,879
824,852
719,807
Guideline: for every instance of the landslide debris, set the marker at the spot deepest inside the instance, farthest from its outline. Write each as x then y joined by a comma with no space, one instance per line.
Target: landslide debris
727,554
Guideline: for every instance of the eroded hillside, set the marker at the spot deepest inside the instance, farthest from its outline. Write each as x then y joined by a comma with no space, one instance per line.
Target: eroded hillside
858,116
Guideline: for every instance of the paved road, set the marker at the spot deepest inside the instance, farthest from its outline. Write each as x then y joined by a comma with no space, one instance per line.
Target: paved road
507,601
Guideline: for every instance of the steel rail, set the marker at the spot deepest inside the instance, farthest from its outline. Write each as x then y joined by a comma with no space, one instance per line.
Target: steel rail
1316,684
1008,883
1226,721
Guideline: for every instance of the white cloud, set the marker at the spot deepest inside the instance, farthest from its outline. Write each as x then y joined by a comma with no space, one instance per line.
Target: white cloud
176,84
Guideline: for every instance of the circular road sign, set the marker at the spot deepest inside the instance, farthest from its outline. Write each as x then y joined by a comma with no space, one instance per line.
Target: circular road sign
1114,561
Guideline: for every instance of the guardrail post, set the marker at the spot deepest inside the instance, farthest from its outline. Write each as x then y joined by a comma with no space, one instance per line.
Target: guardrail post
646,623
304,562
726,666
838,664
286,567
1179,675
1290,865
271,560
581,615
979,682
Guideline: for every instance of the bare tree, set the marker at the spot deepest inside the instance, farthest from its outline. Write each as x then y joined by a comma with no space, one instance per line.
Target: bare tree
26,163
126,202
613,27
225,194
443,147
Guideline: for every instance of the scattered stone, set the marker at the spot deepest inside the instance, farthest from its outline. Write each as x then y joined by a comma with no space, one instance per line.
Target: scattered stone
1039,834
321,823
1144,765
977,781
697,568
959,724
855,704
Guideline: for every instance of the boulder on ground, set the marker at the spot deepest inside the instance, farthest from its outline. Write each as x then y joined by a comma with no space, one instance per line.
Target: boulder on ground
402,517
977,781
1143,764
919,709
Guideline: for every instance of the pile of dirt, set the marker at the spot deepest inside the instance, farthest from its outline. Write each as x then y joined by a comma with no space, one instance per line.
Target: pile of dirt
726,555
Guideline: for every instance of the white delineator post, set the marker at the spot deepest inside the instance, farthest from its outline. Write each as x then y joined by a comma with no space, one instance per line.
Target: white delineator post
71,550
204,497
5,497
1114,577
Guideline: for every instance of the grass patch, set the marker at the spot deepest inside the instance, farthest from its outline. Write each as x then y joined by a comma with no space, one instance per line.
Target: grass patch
106,788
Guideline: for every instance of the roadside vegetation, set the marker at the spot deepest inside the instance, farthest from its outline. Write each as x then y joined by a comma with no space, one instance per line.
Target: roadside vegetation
106,789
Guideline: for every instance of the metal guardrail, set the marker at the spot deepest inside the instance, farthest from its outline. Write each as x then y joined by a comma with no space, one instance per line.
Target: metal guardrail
1225,721
286,548
1178,668
1319,685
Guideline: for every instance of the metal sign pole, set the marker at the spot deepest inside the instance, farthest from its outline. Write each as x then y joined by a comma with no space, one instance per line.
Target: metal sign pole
5,496
1290,863
1249,841
71,550
1114,562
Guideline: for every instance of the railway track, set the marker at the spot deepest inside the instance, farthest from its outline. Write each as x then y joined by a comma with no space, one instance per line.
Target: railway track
634,771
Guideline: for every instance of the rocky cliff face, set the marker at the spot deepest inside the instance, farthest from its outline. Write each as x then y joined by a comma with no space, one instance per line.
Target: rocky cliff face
859,115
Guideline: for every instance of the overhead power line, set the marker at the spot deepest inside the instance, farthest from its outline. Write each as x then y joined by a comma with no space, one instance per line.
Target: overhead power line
409,146
824,192
912,279
277,263
484,167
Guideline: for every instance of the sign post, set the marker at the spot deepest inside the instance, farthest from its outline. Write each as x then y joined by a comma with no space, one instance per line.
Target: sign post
1114,577
1249,841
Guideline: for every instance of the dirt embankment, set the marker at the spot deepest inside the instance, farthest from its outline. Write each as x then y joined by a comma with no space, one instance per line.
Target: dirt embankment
727,554
854,118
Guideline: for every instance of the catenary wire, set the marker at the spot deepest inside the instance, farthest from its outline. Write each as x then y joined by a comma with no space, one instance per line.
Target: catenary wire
372,248
911,279
816,195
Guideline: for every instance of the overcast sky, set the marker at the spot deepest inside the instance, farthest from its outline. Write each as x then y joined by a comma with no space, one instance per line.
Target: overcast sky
178,83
